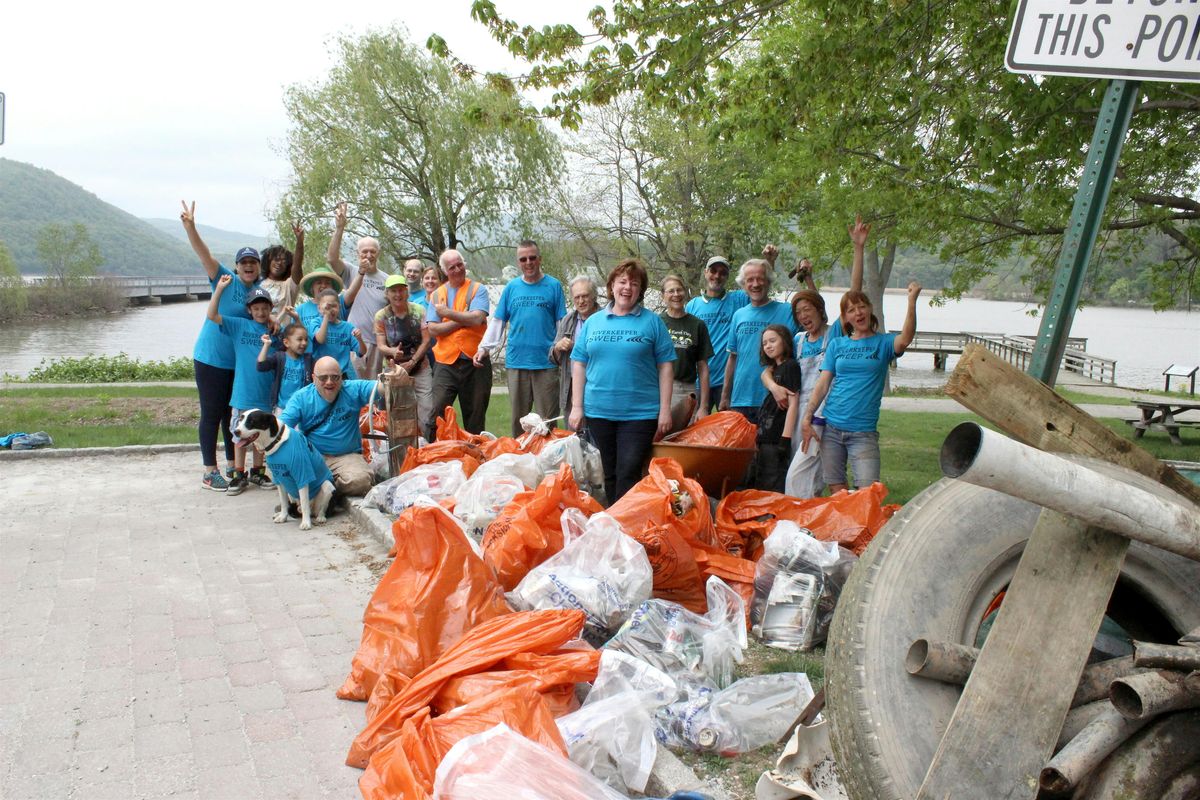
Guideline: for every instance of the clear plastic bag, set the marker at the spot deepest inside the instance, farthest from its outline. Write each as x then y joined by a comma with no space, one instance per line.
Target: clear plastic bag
434,481
523,466
501,763
600,571
796,586
747,715
583,458
688,647
481,499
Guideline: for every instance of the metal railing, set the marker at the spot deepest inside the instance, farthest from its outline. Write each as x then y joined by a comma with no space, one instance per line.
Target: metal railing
1018,351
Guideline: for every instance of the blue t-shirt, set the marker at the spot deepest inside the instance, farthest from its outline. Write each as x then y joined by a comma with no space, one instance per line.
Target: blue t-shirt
622,354
745,341
531,311
339,342
251,388
212,347
418,297
292,380
337,432
859,367
310,316
297,463
717,314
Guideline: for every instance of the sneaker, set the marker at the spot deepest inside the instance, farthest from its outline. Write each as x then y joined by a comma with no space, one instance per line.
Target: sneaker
229,472
237,484
215,481
260,478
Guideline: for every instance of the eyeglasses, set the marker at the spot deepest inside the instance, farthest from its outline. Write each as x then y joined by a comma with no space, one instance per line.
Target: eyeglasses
528,259
327,378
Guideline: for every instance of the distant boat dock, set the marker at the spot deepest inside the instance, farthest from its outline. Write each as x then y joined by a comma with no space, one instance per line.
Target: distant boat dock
1016,350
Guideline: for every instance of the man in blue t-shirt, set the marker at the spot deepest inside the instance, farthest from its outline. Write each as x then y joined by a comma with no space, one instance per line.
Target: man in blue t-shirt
530,307
743,390
715,308
326,412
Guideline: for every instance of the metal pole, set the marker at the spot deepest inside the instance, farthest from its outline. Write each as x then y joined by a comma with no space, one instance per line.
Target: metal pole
1084,224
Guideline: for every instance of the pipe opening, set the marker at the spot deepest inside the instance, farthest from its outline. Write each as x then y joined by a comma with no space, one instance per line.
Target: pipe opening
1125,700
918,654
1054,782
960,449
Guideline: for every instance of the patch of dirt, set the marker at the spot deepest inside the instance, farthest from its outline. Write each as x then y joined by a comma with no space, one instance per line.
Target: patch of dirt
172,411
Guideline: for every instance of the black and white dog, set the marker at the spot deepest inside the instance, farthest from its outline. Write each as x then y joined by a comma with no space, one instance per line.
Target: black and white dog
296,467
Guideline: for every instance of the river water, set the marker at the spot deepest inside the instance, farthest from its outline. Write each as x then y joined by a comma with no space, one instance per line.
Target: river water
1142,342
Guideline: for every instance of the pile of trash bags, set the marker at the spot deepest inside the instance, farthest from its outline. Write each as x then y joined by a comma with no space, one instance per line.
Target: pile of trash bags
524,636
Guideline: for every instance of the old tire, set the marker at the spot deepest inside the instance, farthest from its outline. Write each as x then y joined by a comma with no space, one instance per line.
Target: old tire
931,573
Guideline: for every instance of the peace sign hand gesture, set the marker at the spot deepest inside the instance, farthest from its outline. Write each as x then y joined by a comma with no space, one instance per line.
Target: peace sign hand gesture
188,215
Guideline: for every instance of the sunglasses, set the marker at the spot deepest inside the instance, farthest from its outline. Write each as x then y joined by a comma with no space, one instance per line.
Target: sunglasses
528,259
327,378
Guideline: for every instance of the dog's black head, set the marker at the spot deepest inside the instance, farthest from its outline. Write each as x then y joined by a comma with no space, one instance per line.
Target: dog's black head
257,427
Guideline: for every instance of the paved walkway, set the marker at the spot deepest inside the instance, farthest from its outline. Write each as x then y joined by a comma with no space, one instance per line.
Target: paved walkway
175,642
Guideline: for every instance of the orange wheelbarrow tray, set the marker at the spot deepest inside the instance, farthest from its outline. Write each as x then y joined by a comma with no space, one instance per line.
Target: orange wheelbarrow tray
718,469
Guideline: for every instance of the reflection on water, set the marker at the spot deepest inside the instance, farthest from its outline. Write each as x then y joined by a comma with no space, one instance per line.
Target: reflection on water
1142,342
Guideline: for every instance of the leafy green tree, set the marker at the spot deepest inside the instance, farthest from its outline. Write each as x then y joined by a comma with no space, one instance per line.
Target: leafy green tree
68,252
14,297
426,158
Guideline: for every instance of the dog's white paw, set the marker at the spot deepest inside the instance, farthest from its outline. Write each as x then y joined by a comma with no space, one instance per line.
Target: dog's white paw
305,525
320,520
280,518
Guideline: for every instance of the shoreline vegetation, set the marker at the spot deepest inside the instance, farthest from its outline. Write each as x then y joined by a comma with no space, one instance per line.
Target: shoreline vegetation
21,302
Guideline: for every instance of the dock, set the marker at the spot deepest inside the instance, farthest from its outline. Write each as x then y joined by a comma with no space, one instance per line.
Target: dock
1016,350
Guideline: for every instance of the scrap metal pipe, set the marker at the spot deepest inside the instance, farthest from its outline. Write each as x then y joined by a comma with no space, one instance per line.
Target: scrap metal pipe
985,458
1166,656
1082,754
1153,693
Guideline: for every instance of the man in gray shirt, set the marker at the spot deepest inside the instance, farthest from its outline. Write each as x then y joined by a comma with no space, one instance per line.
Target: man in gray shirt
370,294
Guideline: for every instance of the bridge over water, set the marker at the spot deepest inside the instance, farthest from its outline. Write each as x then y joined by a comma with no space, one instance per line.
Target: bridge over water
147,290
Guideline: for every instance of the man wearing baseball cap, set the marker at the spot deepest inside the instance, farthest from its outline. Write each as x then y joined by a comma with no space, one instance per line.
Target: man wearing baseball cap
715,308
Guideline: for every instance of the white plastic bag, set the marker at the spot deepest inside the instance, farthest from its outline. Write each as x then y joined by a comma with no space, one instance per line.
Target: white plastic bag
744,716
480,500
602,572
523,466
583,458
500,763
434,481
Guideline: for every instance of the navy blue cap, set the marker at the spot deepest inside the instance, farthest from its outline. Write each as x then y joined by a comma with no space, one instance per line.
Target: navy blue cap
256,294
247,252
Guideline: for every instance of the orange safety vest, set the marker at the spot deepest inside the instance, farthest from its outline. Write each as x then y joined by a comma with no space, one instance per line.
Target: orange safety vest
464,341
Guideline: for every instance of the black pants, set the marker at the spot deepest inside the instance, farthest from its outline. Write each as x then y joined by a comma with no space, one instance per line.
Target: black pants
749,412
624,448
216,387
472,386
769,468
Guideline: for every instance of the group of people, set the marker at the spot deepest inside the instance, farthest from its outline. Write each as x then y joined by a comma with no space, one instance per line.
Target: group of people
621,373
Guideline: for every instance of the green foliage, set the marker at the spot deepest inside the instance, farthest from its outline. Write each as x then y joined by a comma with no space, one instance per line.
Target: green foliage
31,198
74,299
68,252
107,369
14,297
426,159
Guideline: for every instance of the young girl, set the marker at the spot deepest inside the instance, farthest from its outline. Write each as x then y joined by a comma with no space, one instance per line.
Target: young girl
775,425
334,336
292,366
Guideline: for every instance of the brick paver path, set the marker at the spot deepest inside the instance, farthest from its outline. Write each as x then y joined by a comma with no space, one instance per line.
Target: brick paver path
158,640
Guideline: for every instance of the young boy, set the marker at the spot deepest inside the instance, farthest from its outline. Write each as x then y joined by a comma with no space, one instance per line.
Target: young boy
251,388
334,336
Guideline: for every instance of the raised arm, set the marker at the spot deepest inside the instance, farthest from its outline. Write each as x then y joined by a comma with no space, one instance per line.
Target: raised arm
298,254
858,235
333,256
188,218
905,337
352,291
214,302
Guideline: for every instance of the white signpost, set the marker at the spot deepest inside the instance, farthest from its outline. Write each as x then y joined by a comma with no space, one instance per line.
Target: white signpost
1131,39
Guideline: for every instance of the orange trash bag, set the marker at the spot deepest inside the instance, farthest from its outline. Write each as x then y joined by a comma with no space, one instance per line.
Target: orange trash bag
529,529
849,518
723,429
484,646
553,676
407,765
371,423
436,590
451,450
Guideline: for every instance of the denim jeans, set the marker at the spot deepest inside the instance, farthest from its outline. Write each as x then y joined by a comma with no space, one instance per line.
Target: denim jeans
860,447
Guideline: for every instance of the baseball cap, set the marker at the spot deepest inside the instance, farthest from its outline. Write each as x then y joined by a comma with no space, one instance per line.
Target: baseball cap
717,260
256,294
395,280
247,252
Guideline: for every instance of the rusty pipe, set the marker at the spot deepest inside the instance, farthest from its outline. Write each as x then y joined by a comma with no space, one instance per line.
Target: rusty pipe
1153,693
1166,656
1082,754
985,458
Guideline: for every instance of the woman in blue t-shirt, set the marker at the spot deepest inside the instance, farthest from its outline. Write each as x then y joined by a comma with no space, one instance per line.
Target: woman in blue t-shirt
853,373
621,379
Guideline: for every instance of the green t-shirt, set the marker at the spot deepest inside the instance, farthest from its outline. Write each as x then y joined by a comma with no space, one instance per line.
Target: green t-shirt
689,334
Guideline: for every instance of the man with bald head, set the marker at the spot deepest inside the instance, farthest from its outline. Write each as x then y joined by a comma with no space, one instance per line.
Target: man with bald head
326,412
370,297
458,314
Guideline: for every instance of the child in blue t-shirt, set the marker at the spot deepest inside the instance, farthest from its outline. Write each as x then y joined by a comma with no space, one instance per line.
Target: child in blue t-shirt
334,336
251,389
292,367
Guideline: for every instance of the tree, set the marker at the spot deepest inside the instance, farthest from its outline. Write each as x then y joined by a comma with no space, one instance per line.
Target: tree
426,158
14,298
901,110
68,252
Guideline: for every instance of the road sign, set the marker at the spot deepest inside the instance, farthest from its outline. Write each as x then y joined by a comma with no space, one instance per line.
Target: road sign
1155,40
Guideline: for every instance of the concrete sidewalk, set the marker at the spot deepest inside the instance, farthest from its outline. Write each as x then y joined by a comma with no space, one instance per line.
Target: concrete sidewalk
160,641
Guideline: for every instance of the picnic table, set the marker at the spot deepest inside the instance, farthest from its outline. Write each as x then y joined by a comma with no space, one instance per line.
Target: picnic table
1160,415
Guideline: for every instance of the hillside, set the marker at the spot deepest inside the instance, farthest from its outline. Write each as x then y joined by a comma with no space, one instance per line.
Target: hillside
221,242
31,197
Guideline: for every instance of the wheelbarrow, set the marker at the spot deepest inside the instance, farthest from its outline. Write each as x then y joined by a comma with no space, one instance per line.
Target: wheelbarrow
718,469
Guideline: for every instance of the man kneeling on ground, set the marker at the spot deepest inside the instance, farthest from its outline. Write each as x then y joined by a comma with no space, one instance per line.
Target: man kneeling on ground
326,411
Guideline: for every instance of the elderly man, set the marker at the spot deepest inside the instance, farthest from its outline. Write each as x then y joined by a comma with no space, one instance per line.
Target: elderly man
458,312
370,290
583,304
530,306
715,308
326,411
743,390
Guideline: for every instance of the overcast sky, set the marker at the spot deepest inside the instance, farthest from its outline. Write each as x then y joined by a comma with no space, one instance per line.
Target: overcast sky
145,103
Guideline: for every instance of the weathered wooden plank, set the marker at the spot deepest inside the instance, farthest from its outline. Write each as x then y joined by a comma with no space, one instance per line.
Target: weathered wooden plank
403,427
1029,411
1011,712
